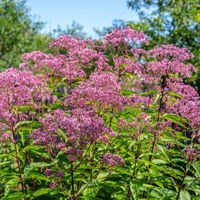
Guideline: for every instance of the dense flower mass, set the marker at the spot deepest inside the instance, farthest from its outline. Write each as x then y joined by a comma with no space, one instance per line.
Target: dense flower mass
96,112
20,88
70,44
125,36
188,105
70,133
100,91
170,52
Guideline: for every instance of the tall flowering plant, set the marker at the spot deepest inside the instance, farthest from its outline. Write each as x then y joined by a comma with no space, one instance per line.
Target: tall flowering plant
100,120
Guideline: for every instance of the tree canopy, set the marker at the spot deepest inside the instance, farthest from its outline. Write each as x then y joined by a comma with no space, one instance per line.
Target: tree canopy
19,34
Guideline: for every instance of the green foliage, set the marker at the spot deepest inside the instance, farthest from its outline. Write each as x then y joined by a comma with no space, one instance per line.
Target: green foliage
75,29
19,34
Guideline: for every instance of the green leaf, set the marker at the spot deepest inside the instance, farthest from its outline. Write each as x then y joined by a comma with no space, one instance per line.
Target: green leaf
134,190
9,185
123,171
164,151
175,118
147,93
174,94
185,195
4,155
38,176
32,147
5,163
15,195
195,197
173,75
42,191
127,92
22,123
37,165
173,142
158,161
196,166
122,66
127,74
91,191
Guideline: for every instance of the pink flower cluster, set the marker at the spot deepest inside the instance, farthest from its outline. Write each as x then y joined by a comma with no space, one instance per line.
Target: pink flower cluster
79,57
56,66
126,36
169,59
70,44
192,154
170,52
20,88
123,65
111,159
189,105
100,91
71,133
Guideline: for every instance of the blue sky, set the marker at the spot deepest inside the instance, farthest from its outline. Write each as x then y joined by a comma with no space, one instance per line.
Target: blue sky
89,13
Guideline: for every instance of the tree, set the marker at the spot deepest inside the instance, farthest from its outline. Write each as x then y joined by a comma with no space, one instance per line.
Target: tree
117,23
19,34
171,21
75,29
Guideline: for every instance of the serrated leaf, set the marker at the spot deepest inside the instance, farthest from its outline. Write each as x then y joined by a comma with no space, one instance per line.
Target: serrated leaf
174,94
127,92
185,195
22,123
38,176
196,166
41,192
158,161
135,190
175,118
9,185
32,147
147,93
173,142
164,151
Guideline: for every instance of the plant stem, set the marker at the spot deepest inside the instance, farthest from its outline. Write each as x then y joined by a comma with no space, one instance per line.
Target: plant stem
72,181
18,161
182,182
